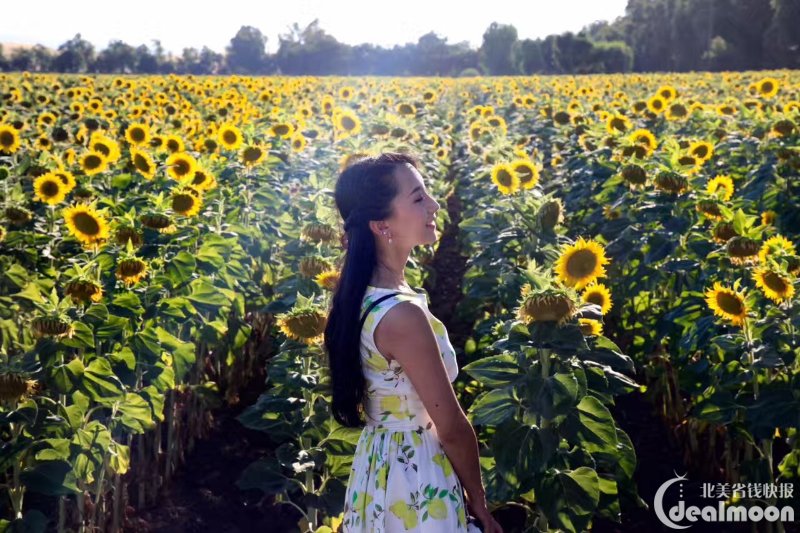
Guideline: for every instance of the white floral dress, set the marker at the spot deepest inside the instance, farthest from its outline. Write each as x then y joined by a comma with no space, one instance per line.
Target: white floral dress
401,479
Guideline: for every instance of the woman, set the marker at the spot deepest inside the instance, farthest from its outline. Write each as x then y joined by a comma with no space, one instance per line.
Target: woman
417,450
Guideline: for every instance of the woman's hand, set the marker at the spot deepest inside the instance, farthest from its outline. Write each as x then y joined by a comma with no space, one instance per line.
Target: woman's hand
481,512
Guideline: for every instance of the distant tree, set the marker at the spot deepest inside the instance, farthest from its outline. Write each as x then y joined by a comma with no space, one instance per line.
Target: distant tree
496,50
146,61
35,59
530,56
247,52
75,55
117,57
611,56
4,65
782,38
310,51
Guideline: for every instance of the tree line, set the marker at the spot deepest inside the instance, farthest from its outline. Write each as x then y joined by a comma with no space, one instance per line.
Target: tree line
652,35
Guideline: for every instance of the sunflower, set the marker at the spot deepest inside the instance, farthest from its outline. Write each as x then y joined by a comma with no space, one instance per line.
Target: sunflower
93,163
186,203
127,233
676,111
590,327
723,232
635,175
644,138
181,165
283,130
15,386
143,163
106,146
67,179
86,224
581,263
138,134
768,217
618,124
702,150
9,139
346,122
550,214
776,286
656,104
723,184
327,279
726,110
546,305
598,294
253,154
131,270
667,92
768,87
318,232
229,137
776,245
311,266
505,178
83,291
671,182
2,233
406,109
742,250
298,142
49,189
727,303
305,325
527,173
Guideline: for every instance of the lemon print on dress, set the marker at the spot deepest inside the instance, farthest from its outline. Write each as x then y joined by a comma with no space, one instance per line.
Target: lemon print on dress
438,327
360,503
393,406
441,460
405,512
437,509
375,361
380,476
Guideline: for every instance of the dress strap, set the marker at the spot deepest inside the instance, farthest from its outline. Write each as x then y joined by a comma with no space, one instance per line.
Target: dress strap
373,304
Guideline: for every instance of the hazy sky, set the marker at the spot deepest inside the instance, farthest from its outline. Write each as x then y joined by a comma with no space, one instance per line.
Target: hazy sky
179,24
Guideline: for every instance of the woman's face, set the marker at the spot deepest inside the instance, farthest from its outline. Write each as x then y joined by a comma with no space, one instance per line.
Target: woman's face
415,210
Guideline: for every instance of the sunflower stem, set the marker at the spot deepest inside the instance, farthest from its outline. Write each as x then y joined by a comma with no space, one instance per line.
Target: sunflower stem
544,360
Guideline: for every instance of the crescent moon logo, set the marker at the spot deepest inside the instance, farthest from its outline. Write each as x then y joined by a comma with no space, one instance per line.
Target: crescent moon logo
659,505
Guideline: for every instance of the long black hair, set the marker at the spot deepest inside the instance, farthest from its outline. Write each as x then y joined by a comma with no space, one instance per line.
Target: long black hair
364,191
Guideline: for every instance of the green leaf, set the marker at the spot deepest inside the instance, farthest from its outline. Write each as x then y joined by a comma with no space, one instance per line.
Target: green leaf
181,268
127,304
592,427
54,478
182,352
82,337
494,407
264,475
569,497
495,371
100,383
135,413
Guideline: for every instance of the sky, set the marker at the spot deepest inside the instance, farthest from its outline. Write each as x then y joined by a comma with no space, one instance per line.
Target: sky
180,24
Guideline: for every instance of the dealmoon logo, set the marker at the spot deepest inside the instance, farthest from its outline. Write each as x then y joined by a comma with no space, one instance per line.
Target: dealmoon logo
711,513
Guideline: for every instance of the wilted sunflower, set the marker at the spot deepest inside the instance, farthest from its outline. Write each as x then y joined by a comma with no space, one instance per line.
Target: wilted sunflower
742,250
505,178
318,232
313,265
550,214
86,224
783,128
52,326
634,175
229,137
304,324
83,291
723,232
545,305
18,215
9,139
598,294
186,203
138,134
93,163
776,245
124,234
671,182
581,263
253,154
724,184
143,163
709,208
49,189
590,327
776,286
327,279
131,270
180,166
727,303
15,386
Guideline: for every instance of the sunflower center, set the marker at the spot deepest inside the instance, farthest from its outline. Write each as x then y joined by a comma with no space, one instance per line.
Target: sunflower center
50,188
700,151
281,129
183,203
229,137
182,167
775,282
137,134
252,153
141,163
6,138
505,178
348,123
92,162
86,224
618,124
525,173
729,303
595,298
102,148
582,264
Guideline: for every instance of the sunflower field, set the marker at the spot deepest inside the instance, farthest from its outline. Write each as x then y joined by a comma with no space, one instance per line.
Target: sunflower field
164,239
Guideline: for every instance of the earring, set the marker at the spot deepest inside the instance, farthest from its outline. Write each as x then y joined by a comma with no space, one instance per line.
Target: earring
390,237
